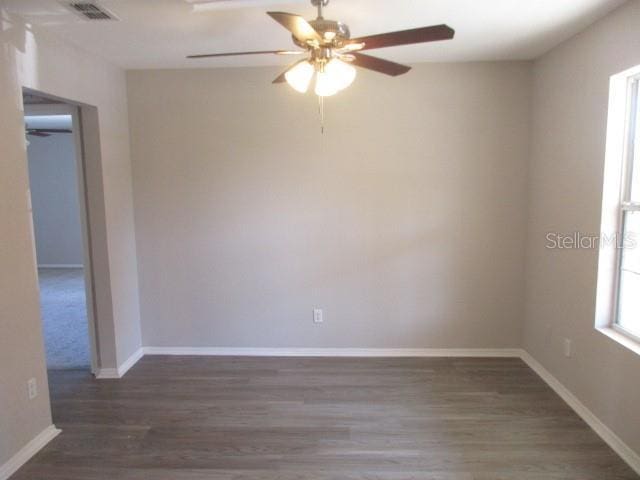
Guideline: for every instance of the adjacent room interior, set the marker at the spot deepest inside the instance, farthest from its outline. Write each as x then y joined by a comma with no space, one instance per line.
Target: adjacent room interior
55,186
312,239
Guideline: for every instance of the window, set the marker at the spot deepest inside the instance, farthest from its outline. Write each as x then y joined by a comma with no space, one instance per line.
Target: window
627,308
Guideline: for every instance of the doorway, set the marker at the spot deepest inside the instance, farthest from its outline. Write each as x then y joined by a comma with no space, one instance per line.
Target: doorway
57,190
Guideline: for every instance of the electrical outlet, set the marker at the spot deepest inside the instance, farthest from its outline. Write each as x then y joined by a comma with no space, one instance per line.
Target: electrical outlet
568,347
32,388
317,316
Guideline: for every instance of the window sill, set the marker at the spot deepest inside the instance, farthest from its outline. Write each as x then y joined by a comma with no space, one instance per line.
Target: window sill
621,338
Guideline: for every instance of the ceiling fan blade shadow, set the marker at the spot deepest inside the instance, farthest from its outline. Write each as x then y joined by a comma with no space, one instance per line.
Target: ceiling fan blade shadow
406,37
378,64
258,52
298,26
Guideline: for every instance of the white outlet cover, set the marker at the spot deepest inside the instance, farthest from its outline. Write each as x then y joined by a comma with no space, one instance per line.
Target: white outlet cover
32,388
317,316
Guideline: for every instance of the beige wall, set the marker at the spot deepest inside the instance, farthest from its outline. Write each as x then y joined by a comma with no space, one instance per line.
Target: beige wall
570,97
21,347
404,223
43,63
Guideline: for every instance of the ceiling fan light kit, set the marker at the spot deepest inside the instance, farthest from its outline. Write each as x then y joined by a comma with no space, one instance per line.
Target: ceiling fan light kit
331,53
331,76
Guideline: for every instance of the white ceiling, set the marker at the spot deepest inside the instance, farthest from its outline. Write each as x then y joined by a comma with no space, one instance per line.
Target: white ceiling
160,33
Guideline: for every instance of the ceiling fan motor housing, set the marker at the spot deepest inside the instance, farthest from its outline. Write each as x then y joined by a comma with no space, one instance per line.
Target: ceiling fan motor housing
335,34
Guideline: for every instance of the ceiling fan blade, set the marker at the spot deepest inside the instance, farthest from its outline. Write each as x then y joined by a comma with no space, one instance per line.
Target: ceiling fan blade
281,78
51,130
378,64
406,37
298,26
259,52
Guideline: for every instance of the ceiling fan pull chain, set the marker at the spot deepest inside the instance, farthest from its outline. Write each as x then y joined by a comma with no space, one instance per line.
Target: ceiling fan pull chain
321,112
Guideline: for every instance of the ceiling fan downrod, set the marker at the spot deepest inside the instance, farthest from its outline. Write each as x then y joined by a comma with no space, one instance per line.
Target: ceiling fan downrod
320,4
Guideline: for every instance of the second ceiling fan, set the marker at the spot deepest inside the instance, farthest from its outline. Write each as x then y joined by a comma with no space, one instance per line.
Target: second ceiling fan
331,53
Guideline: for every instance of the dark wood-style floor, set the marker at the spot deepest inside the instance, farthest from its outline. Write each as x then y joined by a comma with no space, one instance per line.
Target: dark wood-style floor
197,418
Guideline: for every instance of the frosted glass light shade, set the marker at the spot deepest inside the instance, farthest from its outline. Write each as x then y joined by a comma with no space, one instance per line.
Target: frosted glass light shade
337,75
299,77
325,86
341,74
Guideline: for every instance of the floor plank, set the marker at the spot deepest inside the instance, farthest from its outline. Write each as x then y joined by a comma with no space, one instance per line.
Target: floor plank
237,418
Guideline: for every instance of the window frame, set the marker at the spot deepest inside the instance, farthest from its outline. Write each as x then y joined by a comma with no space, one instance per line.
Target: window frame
625,204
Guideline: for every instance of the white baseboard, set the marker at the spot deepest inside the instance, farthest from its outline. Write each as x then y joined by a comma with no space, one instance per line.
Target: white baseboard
130,362
334,352
62,265
107,373
115,373
28,451
621,448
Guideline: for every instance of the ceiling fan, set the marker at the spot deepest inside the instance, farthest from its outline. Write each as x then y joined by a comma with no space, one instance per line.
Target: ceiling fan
46,132
331,53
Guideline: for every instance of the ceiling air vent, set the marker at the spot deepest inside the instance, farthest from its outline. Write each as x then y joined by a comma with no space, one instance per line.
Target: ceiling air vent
91,11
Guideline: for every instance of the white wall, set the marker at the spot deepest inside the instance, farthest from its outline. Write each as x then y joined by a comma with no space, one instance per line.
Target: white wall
54,196
570,97
29,58
405,222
